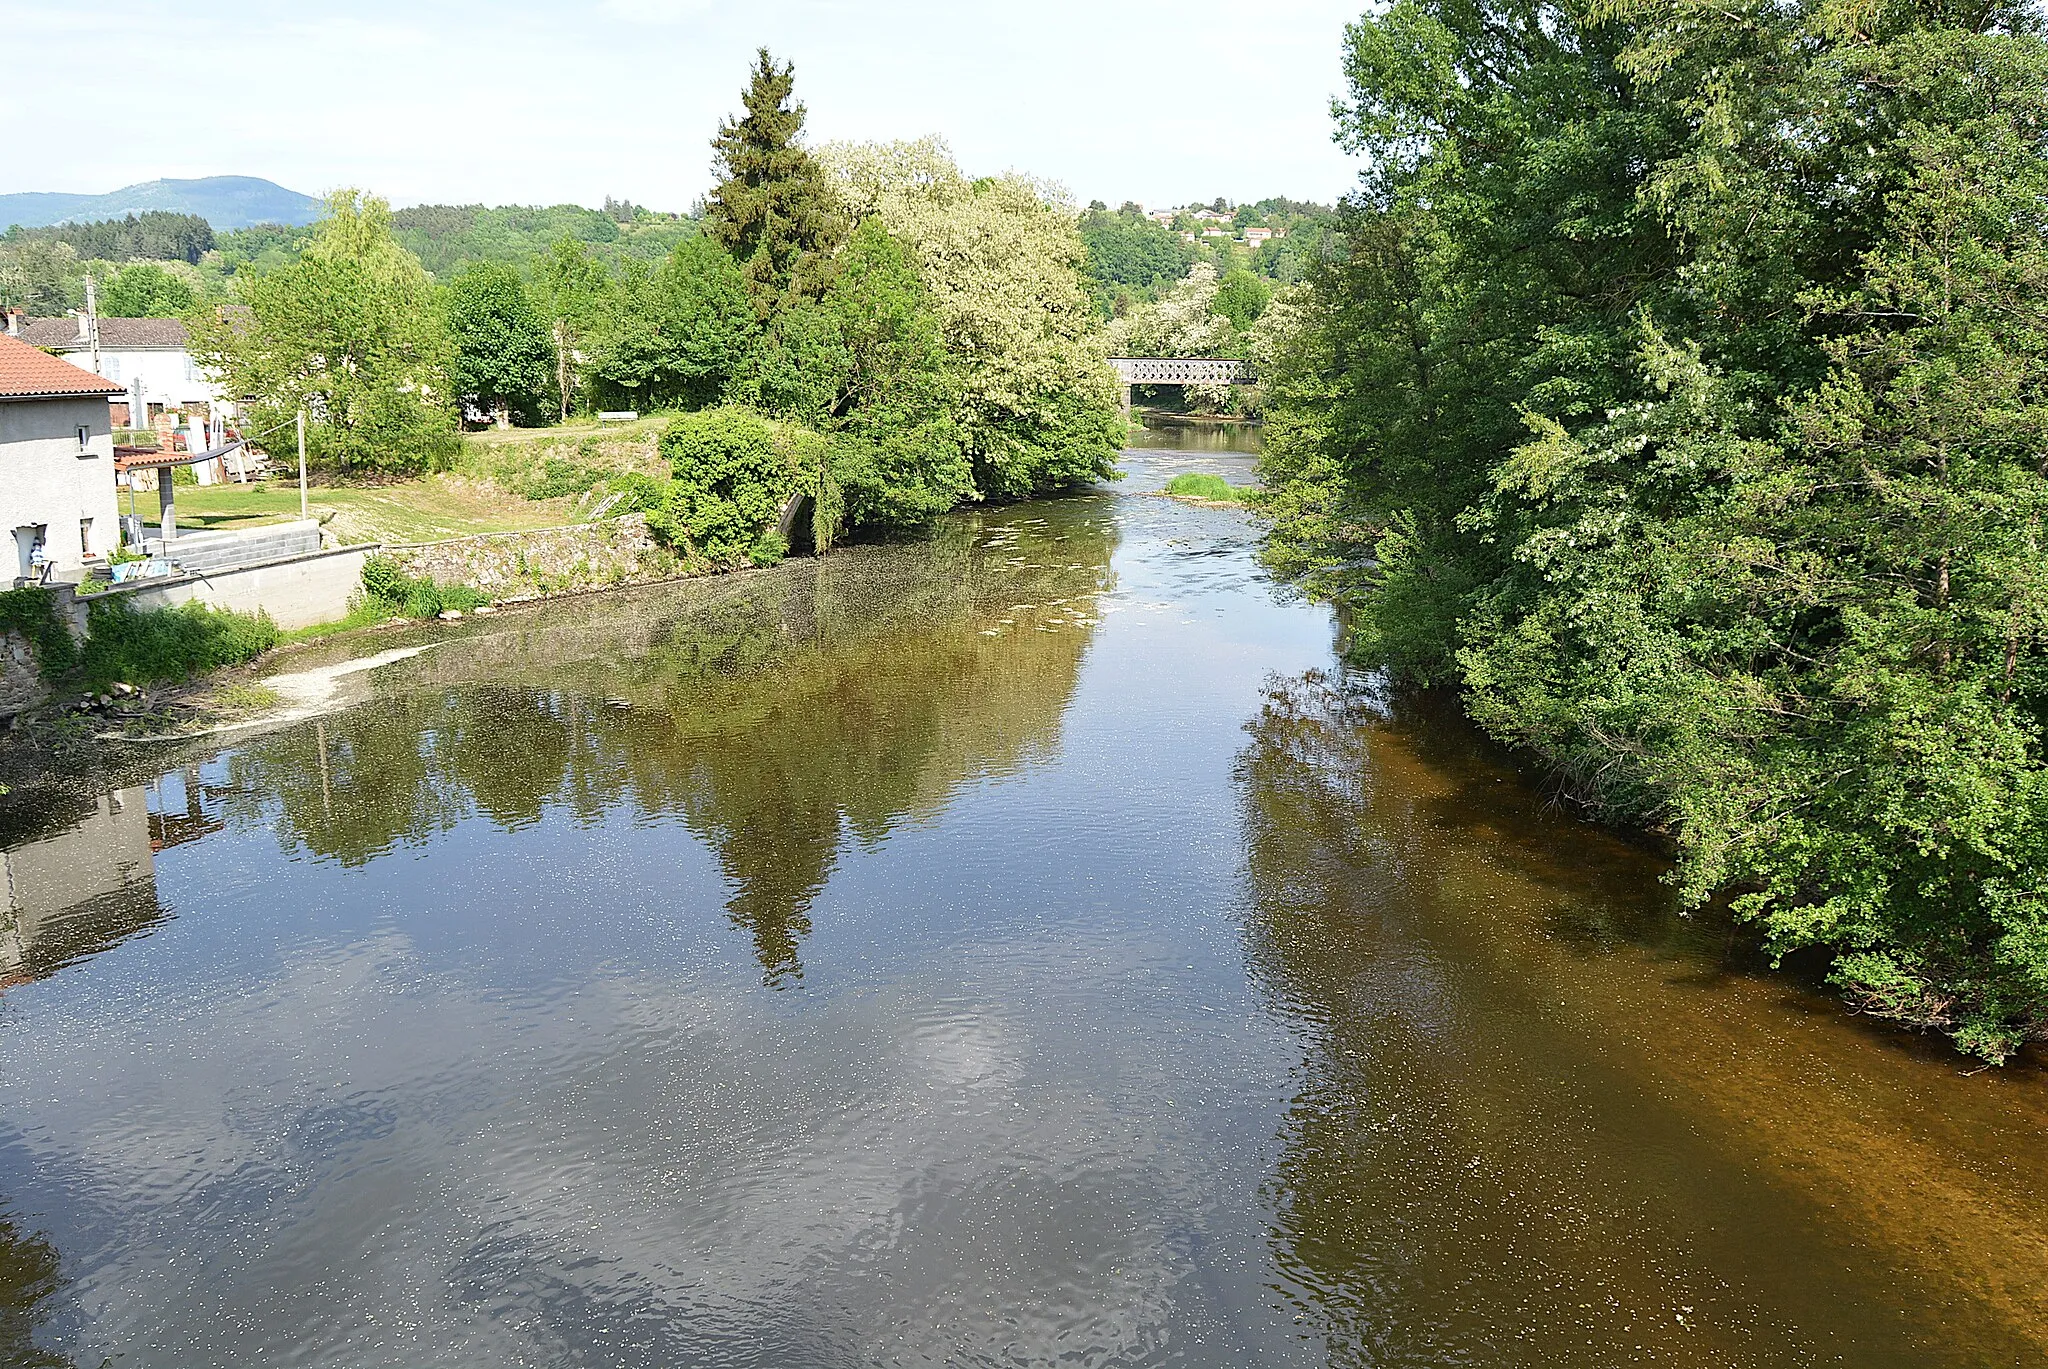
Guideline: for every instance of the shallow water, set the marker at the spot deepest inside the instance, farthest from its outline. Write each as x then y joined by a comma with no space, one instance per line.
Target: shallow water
1024,946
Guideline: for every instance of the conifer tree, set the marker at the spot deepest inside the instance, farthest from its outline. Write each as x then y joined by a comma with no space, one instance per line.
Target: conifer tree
773,209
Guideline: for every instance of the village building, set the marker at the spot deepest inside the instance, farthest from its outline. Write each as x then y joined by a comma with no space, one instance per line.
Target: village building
57,501
1258,237
147,357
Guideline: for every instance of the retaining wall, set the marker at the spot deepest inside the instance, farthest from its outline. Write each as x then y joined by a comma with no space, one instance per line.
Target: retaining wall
296,591
505,565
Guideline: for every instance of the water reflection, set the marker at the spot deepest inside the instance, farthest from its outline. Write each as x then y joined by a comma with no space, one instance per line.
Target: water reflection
1543,1120
79,889
778,716
30,1279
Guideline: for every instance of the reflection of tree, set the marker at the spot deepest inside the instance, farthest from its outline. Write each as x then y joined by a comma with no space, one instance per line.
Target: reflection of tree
31,1273
778,713
1403,1215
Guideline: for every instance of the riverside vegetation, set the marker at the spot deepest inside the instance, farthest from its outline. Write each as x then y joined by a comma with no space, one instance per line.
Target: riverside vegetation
1677,394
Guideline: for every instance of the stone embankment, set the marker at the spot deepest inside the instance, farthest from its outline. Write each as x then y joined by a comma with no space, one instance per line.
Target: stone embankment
518,565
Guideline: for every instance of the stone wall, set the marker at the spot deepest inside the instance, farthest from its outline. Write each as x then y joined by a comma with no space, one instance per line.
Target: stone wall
511,565
21,683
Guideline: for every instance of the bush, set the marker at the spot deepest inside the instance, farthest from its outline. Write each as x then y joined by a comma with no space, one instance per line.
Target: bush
643,493
388,588
145,646
731,481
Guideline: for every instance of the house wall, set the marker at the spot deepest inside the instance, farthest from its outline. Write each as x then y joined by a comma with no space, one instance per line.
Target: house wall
46,481
168,375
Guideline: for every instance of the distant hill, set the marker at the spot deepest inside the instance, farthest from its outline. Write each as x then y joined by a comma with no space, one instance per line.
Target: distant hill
226,202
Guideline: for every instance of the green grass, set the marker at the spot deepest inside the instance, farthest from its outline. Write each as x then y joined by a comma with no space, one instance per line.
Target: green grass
510,481
1212,487
161,646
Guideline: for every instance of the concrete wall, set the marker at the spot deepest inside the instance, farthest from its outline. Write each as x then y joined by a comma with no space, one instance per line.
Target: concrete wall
296,592
46,481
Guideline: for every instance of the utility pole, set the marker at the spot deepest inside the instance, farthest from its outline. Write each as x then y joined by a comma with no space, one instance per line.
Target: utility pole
92,327
302,464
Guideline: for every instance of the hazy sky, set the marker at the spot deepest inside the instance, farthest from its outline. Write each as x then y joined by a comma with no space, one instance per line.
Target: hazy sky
521,102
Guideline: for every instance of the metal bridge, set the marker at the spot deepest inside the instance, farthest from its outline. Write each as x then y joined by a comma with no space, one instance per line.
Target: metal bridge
1183,371
1180,371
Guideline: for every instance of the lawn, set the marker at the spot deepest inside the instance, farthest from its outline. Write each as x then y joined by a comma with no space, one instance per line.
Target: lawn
482,495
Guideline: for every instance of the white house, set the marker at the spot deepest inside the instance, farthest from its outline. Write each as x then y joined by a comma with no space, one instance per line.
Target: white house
56,463
145,356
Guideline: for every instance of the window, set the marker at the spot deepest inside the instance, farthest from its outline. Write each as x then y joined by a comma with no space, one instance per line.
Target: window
110,367
84,440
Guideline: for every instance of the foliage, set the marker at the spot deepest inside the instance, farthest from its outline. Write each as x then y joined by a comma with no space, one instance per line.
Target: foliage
144,289
153,646
1677,391
31,612
1185,322
1131,258
571,288
157,235
670,338
39,276
504,353
390,593
773,208
450,238
734,470
868,365
352,332
1199,485
1000,260
1241,297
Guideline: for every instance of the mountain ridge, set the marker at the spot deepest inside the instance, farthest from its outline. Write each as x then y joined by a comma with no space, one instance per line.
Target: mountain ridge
225,202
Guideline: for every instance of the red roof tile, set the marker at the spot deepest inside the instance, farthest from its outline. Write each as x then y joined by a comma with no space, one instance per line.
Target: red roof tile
26,373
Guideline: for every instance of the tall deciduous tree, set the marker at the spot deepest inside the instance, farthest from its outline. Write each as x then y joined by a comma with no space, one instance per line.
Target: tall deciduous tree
351,331
504,360
1000,260
1679,394
773,208
572,288
672,337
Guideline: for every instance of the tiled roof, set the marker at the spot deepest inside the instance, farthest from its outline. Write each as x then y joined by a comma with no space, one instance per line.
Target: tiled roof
26,373
116,334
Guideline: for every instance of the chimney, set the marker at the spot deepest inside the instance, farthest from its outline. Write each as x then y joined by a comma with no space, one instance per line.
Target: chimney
13,321
84,327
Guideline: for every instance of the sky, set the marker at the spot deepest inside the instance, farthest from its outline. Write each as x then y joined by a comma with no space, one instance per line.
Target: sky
518,102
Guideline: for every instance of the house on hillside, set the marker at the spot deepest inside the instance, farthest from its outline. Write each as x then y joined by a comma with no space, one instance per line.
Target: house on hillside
147,357
56,464
1258,237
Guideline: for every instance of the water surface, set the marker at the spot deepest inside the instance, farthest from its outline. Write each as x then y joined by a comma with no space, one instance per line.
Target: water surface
1024,946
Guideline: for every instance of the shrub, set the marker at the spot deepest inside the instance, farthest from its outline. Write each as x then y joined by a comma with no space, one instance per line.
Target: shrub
145,646
731,481
388,588
643,493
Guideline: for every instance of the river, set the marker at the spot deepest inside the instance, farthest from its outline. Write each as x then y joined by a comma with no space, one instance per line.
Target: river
1027,945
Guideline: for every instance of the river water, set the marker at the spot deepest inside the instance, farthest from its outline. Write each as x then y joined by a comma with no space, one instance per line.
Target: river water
1025,946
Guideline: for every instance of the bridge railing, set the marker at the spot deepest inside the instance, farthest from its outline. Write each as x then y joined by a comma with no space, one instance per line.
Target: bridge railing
1184,371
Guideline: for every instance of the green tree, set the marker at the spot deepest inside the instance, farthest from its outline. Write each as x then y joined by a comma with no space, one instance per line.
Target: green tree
1676,392
40,276
144,290
1241,297
504,360
572,290
1000,260
353,333
773,208
673,337
734,470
